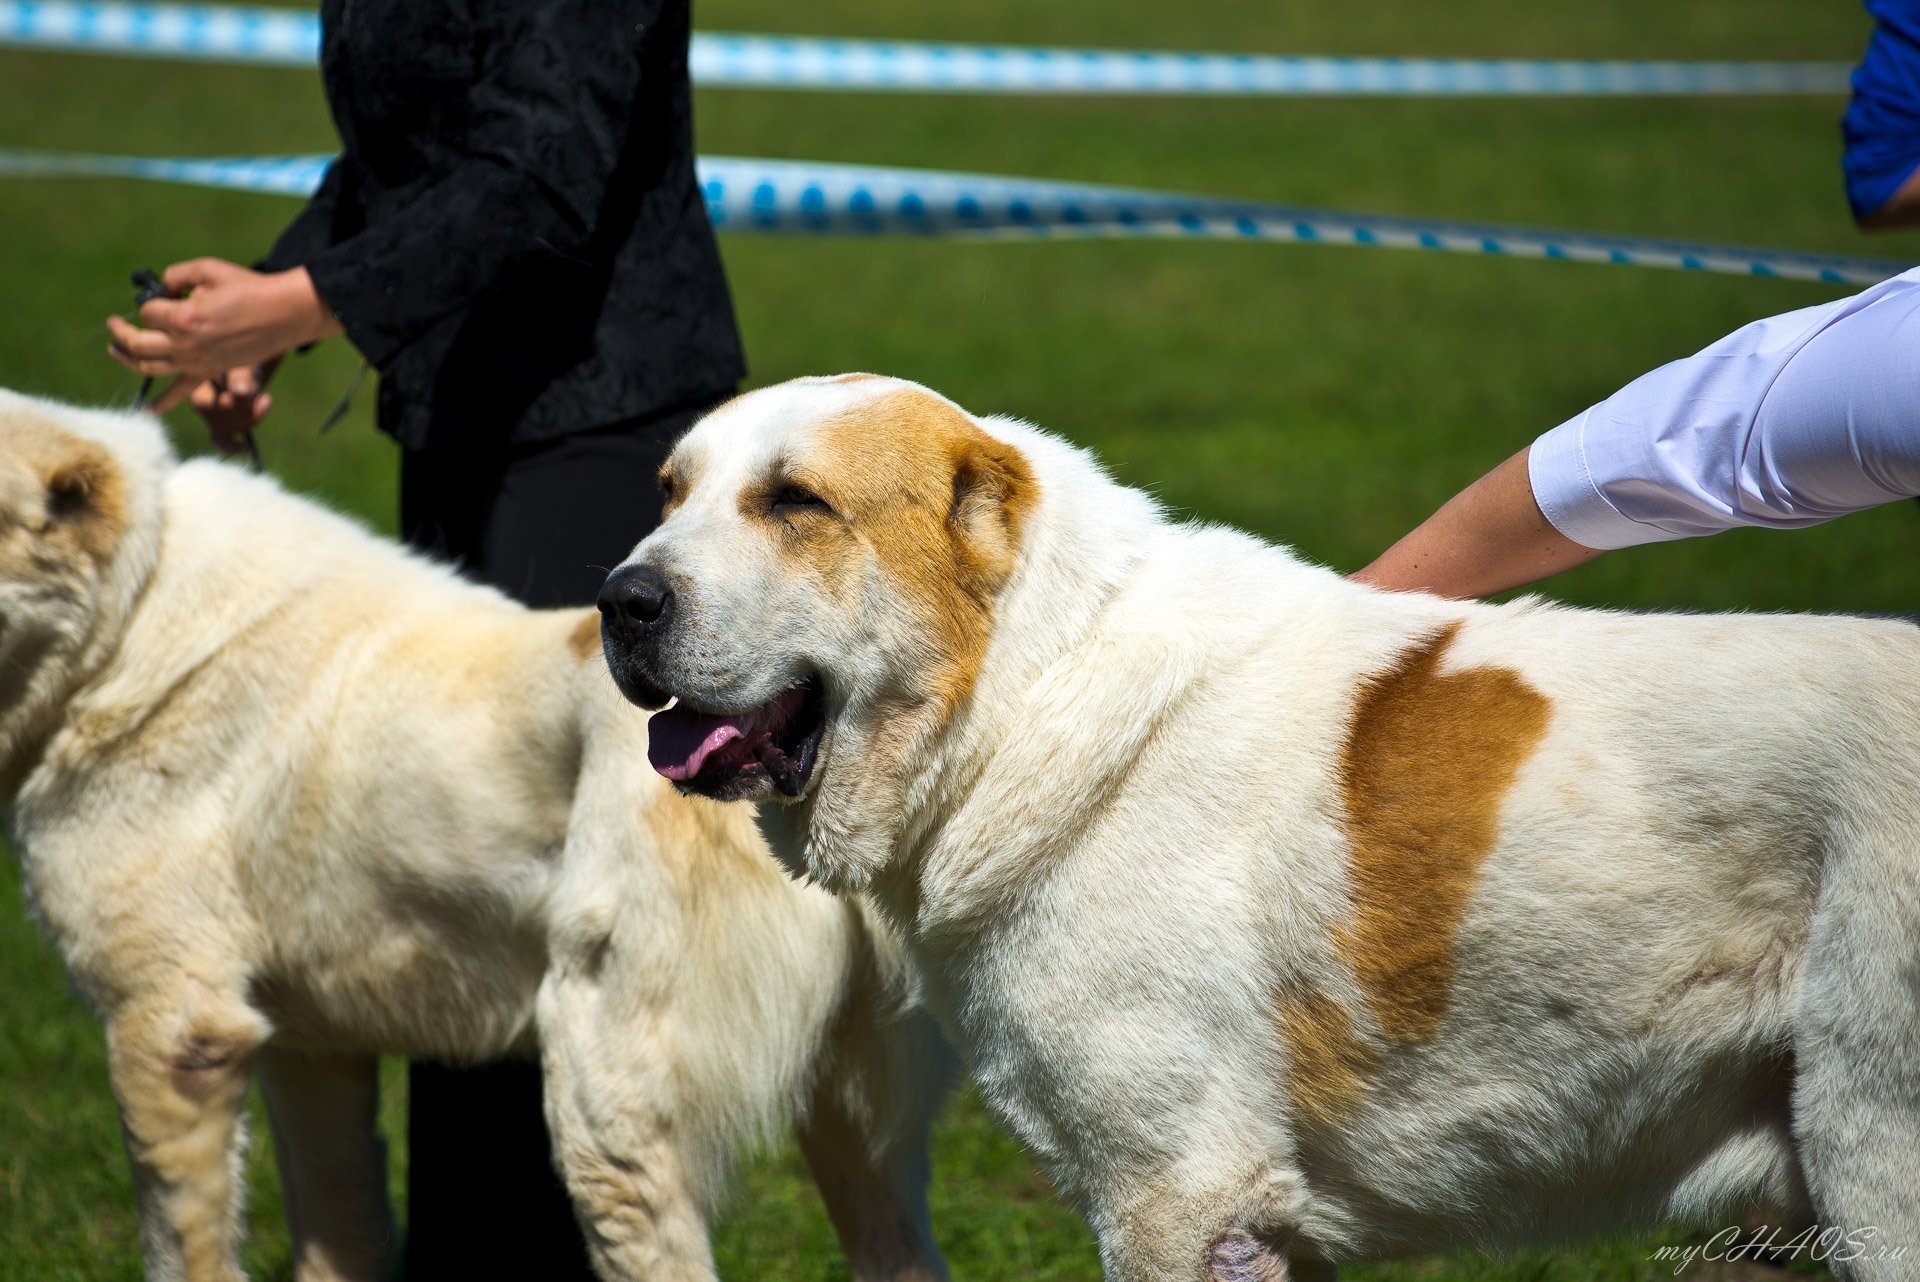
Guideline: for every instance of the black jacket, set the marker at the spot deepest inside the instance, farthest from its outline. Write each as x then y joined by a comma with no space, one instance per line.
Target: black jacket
513,234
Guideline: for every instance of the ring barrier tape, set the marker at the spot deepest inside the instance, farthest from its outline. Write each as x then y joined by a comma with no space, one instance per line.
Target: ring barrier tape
279,175
289,37
800,197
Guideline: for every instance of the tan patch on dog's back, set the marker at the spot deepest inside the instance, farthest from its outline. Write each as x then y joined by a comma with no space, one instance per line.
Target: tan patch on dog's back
1429,758
941,503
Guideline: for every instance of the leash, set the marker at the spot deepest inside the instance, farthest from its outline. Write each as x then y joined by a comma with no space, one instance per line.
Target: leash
148,286
345,403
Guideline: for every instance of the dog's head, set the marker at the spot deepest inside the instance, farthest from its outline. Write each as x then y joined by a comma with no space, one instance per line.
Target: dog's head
79,503
818,599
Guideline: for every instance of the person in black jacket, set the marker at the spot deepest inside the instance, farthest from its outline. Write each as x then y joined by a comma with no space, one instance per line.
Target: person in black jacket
514,237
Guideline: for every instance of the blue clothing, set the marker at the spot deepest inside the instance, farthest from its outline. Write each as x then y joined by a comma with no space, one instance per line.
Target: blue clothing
1882,124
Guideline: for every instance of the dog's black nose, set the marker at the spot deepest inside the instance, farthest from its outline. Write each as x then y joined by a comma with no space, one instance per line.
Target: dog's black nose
637,594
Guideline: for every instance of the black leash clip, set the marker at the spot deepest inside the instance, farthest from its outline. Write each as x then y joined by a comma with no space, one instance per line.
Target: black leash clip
148,286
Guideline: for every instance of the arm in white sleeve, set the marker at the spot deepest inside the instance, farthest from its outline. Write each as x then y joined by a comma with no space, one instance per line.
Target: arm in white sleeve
1791,421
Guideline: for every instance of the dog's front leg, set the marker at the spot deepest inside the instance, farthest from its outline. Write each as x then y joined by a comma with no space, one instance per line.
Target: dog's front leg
636,1165
333,1163
180,1060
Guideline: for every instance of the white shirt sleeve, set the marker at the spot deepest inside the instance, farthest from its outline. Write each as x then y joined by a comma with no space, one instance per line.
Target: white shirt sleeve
1791,421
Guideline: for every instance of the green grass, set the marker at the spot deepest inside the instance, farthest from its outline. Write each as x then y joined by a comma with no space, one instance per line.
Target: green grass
1326,397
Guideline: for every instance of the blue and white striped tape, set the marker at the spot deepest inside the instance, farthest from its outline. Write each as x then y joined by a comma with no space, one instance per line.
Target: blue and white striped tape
201,32
292,37
792,62
799,197
280,175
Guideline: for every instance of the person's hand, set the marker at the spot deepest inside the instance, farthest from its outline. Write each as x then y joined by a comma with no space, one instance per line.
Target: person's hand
234,403
221,317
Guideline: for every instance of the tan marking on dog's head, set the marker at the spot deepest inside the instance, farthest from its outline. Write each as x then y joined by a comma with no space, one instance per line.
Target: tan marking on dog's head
676,478
1428,760
584,640
1327,1066
71,492
940,503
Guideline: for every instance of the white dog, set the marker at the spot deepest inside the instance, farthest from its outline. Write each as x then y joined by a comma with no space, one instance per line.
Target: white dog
1290,922
288,797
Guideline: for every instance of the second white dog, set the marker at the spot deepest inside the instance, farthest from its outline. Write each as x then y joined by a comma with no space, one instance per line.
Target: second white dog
1290,922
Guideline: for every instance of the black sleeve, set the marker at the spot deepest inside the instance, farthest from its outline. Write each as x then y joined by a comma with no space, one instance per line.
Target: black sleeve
316,228
549,118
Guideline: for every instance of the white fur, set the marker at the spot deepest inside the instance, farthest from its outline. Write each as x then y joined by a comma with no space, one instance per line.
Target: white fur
287,797
1129,840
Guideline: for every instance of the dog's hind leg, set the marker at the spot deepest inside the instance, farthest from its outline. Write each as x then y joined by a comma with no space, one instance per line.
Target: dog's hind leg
875,1189
179,1062
866,1124
333,1163
1857,1085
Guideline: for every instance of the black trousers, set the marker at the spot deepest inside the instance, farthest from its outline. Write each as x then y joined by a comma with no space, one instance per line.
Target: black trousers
544,523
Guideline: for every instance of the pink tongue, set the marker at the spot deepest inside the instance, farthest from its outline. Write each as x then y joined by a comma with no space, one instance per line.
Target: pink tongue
679,740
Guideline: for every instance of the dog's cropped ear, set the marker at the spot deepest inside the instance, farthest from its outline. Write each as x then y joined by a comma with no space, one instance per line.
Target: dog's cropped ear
72,485
993,491
83,493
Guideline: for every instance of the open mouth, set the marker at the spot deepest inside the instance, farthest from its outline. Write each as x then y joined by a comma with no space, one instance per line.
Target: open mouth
728,755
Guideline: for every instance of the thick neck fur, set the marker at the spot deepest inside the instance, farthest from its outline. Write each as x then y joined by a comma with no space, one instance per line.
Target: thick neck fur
1087,531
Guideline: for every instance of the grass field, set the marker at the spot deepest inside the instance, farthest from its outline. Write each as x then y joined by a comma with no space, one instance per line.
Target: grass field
1326,397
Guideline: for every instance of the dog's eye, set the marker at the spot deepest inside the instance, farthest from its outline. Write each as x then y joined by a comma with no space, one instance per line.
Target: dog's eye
666,486
794,497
